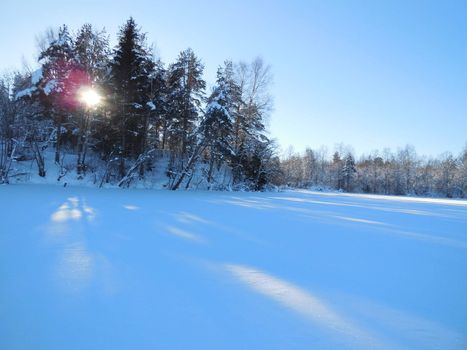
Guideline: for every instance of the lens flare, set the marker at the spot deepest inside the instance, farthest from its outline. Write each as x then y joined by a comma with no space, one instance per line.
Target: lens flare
90,97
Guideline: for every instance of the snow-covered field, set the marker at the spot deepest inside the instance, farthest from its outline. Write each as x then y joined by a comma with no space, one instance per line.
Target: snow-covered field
82,268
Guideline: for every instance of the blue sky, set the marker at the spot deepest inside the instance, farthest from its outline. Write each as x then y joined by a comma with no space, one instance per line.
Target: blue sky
371,74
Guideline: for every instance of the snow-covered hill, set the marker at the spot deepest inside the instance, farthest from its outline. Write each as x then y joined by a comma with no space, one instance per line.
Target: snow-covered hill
82,268
64,174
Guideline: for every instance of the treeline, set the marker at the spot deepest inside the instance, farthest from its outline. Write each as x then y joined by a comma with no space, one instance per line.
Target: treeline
122,110
122,116
400,173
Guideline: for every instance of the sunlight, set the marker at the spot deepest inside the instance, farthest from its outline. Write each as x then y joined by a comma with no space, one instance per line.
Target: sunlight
358,220
131,207
90,97
183,234
302,302
188,218
72,209
75,267
67,211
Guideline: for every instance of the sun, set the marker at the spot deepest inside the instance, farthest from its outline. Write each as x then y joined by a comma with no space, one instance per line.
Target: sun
90,97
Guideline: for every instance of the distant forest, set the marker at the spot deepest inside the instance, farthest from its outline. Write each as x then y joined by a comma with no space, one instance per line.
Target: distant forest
400,173
121,117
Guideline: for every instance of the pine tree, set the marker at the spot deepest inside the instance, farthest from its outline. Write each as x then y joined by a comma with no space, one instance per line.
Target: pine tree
58,82
348,172
260,165
131,71
217,127
185,98
337,180
91,50
34,122
157,107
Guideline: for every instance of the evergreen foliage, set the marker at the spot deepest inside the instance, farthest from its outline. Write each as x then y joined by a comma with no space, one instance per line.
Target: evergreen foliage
158,119
146,109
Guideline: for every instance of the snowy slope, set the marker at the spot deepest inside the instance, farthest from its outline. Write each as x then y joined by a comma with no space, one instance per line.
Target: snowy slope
26,172
82,268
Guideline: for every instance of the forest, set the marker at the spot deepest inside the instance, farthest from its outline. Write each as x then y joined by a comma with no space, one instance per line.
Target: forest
122,117
390,173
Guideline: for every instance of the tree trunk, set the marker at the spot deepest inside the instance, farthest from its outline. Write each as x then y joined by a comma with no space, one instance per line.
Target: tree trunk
39,158
123,140
59,140
199,149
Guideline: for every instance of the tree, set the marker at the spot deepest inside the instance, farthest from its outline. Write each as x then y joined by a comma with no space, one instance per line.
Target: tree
463,171
447,180
348,172
261,166
337,173
33,123
131,70
6,132
91,49
186,87
57,82
254,80
217,127
157,106
310,167
407,158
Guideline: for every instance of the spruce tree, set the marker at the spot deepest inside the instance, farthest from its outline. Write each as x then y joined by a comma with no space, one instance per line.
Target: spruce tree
217,127
58,82
131,69
157,106
348,172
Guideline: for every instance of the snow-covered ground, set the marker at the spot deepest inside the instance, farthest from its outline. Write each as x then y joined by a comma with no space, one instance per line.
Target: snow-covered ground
82,268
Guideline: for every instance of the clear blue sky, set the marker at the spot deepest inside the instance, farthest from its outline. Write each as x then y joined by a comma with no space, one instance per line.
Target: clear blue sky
371,74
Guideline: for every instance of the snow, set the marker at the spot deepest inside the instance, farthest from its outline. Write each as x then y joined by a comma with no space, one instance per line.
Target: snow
151,105
50,86
82,268
215,105
36,76
25,92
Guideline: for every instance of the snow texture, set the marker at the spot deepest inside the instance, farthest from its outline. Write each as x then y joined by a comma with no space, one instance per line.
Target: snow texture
50,86
141,269
151,105
25,92
36,76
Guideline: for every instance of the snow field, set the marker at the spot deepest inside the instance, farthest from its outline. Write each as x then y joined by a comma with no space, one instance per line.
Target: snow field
125,269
